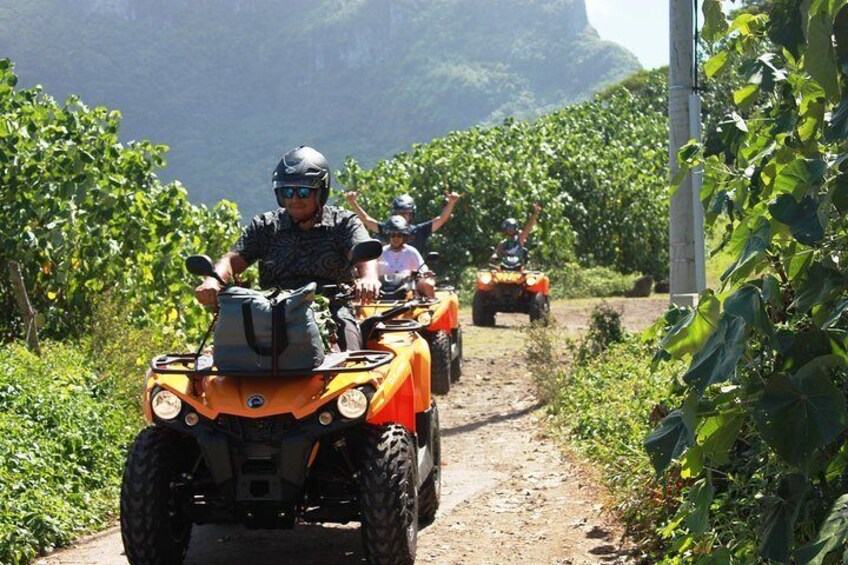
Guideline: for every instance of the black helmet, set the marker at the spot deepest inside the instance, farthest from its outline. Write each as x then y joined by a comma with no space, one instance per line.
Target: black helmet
403,203
396,224
509,226
303,166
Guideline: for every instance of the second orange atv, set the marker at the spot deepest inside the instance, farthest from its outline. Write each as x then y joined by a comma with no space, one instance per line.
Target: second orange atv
507,286
439,318
354,439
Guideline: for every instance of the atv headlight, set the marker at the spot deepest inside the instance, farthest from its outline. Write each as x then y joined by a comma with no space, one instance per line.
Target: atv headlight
166,404
486,278
531,280
424,318
352,403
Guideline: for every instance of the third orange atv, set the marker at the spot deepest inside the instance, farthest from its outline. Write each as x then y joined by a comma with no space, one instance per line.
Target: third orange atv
439,316
506,286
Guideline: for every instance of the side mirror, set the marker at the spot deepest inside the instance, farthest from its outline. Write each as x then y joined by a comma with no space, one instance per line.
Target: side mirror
432,257
366,251
202,266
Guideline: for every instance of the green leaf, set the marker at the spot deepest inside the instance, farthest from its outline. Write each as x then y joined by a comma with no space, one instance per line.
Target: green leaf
717,435
818,286
716,63
839,194
745,97
820,57
716,362
838,129
835,314
693,331
747,303
757,239
787,26
832,535
715,23
671,437
780,516
801,217
799,176
700,500
802,413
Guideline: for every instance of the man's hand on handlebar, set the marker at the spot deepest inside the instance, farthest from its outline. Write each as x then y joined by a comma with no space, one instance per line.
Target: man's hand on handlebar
367,289
207,292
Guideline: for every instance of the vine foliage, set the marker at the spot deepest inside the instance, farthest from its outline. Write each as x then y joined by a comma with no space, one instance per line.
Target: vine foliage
761,432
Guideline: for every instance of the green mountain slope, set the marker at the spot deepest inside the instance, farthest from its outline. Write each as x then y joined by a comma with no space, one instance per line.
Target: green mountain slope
230,84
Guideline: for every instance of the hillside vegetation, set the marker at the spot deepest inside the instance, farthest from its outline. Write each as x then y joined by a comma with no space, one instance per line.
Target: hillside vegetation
599,169
230,85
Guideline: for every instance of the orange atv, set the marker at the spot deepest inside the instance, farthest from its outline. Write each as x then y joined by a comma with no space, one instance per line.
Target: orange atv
507,286
355,439
439,316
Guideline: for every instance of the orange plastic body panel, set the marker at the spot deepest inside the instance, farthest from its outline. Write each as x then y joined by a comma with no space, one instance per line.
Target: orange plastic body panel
542,285
444,312
402,388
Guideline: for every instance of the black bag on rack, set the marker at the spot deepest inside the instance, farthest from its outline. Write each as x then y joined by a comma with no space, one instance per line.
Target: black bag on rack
245,328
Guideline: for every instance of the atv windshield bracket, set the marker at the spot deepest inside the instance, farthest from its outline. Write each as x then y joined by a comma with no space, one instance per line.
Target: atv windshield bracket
195,365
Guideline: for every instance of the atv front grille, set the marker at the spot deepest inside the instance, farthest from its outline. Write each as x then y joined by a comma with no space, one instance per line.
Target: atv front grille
257,430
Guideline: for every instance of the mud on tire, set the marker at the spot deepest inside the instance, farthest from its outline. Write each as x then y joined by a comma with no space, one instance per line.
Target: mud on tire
481,314
389,496
151,527
440,361
430,492
540,309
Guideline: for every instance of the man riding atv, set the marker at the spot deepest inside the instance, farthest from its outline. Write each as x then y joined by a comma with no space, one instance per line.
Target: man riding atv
404,206
302,241
400,260
514,244
351,436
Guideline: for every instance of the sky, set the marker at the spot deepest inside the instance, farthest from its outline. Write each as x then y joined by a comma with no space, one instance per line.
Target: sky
639,25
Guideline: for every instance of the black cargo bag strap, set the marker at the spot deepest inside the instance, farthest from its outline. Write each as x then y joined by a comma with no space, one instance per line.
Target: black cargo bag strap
278,318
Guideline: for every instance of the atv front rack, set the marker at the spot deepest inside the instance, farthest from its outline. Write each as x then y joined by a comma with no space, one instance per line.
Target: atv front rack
195,365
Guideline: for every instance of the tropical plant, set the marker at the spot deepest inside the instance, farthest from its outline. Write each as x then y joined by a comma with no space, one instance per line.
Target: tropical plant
761,432
85,214
598,168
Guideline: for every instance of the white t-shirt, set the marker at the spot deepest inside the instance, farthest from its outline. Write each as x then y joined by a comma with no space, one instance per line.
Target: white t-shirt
404,261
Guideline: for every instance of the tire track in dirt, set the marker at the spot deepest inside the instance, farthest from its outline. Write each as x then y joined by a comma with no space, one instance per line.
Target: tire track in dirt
509,495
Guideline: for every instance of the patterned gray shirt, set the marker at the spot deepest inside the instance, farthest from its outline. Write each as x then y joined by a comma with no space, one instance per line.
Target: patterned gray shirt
290,257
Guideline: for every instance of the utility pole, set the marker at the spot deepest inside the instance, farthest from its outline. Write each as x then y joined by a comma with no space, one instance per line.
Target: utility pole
687,277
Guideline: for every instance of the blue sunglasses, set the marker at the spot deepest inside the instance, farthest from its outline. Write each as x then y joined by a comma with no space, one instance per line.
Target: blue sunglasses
301,191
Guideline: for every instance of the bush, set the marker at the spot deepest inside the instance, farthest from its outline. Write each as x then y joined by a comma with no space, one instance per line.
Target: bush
63,435
574,281
604,330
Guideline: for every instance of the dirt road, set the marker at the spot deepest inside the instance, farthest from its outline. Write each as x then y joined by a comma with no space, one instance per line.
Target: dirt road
508,495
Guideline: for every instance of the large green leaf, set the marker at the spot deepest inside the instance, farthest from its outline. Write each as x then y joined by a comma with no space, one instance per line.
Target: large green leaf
801,413
716,63
832,535
747,303
716,362
779,518
799,176
820,57
717,435
801,217
671,437
757,239
835,314
699,500
693,331
715,23
820,285
787,26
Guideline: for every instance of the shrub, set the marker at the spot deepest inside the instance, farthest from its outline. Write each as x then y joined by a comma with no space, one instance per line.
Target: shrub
604,330
63,435
575,281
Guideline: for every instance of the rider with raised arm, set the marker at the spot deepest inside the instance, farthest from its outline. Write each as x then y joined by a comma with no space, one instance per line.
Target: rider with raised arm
399,258
515,242
302,241
404,206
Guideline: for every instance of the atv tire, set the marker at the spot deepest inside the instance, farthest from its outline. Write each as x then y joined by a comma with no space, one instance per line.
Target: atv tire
430,492
456,364
540,309
151,527
440,362
481,313
389,496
